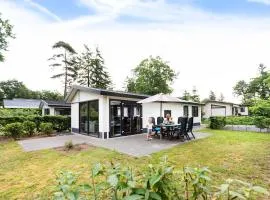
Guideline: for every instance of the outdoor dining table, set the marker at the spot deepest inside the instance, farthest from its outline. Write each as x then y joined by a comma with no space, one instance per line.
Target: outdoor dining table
167,127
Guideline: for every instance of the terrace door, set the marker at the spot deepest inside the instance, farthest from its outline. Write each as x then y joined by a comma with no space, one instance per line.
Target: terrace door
125,118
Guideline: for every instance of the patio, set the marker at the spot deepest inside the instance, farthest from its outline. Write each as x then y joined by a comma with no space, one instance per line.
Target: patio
135,145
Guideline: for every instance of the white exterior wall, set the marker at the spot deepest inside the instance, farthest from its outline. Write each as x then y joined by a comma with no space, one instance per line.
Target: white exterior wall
217,111
177,110
244,113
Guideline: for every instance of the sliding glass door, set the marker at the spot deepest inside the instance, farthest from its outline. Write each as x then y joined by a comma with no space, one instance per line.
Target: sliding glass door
125,118
89,118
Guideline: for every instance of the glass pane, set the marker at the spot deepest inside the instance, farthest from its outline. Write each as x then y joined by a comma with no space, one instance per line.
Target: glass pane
93,117
83,118
115,118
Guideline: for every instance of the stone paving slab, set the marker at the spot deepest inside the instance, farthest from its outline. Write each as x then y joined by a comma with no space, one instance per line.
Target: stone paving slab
135,145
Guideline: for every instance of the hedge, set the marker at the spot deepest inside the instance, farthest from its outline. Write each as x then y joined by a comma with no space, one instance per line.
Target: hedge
15,112
217,122
240,120
60,123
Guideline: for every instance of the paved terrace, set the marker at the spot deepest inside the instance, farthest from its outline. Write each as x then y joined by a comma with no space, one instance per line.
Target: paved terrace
135,145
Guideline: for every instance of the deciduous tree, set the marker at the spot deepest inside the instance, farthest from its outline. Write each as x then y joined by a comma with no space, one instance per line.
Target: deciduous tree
5,33
152,76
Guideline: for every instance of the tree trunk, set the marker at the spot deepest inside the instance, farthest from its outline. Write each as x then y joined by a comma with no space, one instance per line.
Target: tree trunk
65,90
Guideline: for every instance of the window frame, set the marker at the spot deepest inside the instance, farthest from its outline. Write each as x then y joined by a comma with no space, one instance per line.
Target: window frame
195,111
185,111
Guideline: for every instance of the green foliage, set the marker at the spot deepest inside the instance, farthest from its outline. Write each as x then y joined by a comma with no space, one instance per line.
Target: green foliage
66,188
69,145
16,112
217,122
237,189
194,96
157,182
240,120
60,123
257,87
259,122
15,89
5,33
29,128
46,128
212,96
15,130
261,108
92,70
67,62
152,76
186,96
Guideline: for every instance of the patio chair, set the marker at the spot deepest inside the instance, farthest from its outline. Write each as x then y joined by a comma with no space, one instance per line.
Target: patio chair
190,126
183,128
155,128
160,120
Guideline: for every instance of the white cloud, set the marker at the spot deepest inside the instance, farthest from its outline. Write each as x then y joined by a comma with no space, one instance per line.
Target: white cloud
267,2
43,10
211,52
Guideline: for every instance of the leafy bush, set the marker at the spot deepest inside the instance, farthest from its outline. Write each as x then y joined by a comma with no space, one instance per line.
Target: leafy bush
60,123
69,145
29,128
46,128
158,182
261,108
240,120
14,130
217,122
16,112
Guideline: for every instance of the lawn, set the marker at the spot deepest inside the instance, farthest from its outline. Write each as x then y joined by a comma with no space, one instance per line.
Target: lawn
240,155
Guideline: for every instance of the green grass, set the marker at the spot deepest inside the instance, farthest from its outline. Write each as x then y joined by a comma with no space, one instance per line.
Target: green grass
228,154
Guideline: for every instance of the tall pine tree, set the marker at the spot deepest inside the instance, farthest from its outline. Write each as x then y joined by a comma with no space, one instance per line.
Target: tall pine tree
65,59
212,96
85,62
92,70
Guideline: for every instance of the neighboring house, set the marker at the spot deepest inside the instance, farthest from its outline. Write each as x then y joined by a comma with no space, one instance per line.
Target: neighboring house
54,107
21,103
220,108
47,107
106,113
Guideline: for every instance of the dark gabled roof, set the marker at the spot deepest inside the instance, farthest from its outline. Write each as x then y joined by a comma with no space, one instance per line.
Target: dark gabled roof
75,88
21,103
56,103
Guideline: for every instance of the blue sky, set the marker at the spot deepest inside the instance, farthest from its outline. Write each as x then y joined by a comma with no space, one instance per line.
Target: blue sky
70,9
211,43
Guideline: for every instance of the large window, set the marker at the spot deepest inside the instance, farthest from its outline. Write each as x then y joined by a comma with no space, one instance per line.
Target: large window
195,111
242,109
167,112
47,111
89,118
185,111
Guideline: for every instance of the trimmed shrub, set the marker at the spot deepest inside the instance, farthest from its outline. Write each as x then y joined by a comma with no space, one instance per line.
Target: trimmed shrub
14,130
240,120
217,122
29,128
46,128
15,112
60,123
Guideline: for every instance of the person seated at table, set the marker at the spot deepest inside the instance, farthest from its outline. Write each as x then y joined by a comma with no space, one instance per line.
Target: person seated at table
168,119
